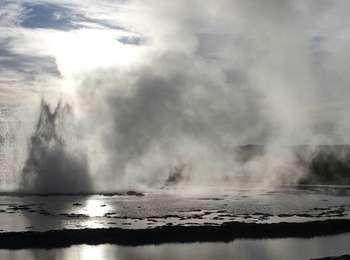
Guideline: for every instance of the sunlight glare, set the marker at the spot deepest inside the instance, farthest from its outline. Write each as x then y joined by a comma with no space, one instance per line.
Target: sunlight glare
95,208
84,50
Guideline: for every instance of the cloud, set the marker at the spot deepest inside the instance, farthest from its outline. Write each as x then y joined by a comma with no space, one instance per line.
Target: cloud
29,66
33,33
10,13
46,15
59,16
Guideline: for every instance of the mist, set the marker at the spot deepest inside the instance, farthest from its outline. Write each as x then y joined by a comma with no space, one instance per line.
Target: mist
216,77
55,163
230,92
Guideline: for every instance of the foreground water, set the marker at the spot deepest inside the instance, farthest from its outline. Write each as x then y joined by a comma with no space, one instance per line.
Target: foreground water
162,208
265,249
173,207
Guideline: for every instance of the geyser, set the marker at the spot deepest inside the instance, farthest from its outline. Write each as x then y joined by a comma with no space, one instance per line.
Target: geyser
55,163
215,78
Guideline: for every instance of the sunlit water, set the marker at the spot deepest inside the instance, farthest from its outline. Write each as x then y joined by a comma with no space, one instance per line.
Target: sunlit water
266,249
161,207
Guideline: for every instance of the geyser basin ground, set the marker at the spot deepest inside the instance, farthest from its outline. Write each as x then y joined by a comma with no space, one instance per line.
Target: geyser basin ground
174,207
178,215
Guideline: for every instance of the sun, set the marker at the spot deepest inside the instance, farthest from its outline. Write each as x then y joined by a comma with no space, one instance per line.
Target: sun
85,50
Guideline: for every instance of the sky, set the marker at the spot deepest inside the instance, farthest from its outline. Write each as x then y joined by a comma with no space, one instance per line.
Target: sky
153,82
45,41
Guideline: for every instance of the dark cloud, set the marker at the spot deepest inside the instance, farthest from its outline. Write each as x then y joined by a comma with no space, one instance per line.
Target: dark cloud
58,17
27,67
45,15
133,40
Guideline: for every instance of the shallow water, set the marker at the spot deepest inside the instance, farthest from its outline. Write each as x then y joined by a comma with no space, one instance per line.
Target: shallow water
162,207
242,249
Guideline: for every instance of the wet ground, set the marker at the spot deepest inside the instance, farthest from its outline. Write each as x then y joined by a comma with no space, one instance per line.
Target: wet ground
173,207
145,226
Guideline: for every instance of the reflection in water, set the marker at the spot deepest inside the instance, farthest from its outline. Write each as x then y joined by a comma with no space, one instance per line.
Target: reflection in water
54,212
243,249
23,213
51,206
92,253
96,207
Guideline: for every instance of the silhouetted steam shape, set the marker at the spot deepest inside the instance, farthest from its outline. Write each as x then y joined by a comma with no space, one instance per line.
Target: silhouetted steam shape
329,165
175,174
323,164
51,167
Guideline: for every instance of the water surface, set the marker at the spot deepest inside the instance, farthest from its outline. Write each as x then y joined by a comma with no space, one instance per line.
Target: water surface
242,249
164,207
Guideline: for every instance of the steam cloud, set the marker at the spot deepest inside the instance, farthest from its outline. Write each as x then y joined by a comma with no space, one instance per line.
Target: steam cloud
229,91
217,76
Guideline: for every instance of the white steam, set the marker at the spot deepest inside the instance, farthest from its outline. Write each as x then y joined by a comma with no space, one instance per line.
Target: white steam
206,78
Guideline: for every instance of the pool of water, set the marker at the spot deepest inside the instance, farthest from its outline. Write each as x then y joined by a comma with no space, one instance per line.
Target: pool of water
162,207
240,249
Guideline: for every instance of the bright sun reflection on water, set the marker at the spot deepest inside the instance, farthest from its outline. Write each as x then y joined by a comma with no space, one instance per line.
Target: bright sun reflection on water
92,253
96,208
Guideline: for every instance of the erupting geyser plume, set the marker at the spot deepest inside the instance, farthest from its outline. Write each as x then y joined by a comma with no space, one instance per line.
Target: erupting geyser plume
232,92
54,164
